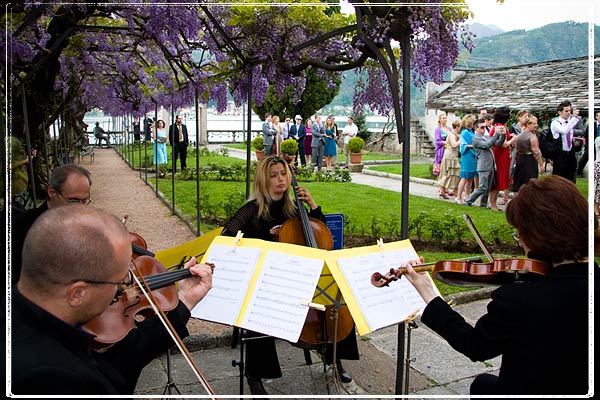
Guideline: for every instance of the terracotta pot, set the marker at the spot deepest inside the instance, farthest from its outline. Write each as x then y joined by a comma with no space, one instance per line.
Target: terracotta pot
260,154
355,158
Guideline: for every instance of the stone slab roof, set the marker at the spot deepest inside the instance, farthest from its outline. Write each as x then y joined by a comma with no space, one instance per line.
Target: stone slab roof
536,87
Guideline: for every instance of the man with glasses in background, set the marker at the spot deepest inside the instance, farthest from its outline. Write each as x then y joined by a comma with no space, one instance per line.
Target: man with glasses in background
68,184
565,163
485,160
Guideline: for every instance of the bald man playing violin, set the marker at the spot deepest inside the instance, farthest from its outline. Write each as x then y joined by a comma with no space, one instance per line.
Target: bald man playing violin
539,327
75,260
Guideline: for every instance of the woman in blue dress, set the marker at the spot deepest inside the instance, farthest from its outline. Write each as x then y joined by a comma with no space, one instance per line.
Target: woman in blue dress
159,134
330,145
468,159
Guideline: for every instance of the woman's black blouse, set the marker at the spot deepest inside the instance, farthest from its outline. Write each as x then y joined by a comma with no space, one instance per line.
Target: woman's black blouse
247,220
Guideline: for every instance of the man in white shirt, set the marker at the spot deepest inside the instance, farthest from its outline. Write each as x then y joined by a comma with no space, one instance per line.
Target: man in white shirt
565,163
298,132
285,129
350,131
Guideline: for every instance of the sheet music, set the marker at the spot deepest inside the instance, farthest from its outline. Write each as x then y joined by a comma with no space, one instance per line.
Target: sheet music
231,277
385,306
285,281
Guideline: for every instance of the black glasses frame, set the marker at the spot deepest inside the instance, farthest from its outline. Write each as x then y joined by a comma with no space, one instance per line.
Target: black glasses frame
85,202
121,286
128,282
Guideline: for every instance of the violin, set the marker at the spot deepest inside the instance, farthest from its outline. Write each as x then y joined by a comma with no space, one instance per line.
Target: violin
151,294
472,272
306,231
132,306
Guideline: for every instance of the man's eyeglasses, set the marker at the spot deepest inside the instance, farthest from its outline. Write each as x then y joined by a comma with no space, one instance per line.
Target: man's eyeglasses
481,127
120,285
69,200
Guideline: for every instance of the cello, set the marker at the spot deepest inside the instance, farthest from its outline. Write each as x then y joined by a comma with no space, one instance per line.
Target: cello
335,323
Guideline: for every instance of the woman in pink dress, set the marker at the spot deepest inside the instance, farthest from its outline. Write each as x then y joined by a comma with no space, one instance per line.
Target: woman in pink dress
501,156
308,140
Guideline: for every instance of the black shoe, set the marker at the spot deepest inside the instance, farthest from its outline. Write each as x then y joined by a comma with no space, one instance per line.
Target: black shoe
344,376
256,386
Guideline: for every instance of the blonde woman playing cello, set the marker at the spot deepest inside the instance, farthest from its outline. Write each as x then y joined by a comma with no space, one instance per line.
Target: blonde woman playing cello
261,217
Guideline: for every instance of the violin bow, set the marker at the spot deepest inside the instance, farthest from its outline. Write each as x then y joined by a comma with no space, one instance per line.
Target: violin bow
477,237
173,333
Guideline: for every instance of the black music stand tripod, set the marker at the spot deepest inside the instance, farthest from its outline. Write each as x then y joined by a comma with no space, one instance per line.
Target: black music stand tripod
170,383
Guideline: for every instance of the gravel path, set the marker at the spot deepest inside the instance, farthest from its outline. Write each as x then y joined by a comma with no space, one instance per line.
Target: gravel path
118,189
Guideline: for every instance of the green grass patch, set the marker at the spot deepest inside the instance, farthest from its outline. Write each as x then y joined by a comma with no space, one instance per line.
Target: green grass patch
367,211
239,146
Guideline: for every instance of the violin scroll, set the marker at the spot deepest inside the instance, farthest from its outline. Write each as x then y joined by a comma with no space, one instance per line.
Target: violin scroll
379,280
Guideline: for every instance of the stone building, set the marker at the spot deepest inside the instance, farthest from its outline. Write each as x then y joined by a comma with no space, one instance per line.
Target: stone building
538,87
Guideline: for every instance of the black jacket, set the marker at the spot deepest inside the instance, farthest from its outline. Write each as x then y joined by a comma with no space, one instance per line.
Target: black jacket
539,328
175,138
298,133
20,225
52,357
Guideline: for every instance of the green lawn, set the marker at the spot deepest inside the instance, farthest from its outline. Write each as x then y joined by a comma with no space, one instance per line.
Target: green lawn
369,212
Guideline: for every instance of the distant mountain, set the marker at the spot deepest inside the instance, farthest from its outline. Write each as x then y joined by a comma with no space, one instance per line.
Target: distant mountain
550,42
484,30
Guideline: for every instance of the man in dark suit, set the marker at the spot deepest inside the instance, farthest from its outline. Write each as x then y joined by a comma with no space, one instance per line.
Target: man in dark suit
178,139
148,129
268,133
596,132
136,130
318,142
565,163
298,132
76,261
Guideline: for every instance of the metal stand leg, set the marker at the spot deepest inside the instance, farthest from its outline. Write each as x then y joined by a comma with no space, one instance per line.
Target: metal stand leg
240,364
307,357
170,384
411,325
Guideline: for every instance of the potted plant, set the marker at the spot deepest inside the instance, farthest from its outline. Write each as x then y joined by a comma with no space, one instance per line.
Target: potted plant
355,146
289,147
259,147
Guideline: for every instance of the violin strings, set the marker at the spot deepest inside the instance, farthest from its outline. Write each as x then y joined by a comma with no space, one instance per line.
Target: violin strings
162,279
166,278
